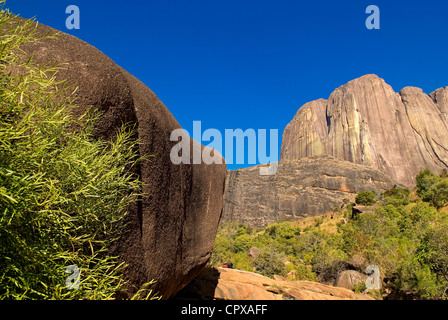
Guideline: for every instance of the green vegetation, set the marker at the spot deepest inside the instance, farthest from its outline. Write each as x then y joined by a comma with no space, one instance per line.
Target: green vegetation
63,194
404,235
433,188
366,198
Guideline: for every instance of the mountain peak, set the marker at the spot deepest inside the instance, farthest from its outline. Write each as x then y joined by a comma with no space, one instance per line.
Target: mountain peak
366,122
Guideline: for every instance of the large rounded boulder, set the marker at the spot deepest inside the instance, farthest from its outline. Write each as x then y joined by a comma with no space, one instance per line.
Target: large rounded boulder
170,233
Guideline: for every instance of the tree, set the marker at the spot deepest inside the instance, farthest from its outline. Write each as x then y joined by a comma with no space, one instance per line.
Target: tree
440,194
432,188
366,198
282,230
270,262
397,196
242,242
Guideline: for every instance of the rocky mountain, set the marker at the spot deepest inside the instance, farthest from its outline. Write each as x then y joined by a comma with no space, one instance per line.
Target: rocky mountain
369,138
232,284
170,233
366,122
300,188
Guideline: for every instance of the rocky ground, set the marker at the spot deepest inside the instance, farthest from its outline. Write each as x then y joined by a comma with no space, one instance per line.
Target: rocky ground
232,284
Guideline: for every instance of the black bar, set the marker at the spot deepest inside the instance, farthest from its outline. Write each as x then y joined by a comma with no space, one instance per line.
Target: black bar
177,309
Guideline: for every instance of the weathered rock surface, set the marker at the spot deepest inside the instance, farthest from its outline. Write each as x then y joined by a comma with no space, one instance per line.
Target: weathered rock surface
300,188
348,279
171,232
231,284
440,97
366,122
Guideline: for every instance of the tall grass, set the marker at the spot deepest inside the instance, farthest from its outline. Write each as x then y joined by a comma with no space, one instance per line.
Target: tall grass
63,194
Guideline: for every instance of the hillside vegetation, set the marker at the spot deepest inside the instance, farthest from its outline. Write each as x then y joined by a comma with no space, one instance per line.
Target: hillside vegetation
404,233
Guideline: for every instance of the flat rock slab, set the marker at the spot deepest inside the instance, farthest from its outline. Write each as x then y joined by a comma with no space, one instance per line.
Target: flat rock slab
232,284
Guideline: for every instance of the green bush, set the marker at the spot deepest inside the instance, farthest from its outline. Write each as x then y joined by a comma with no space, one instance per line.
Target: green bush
222,250
63,194
422,214
433,254
242,243
282,230
366,198
305,273
397,196
440,197
432,188
425,181
242,261
270,262
398,193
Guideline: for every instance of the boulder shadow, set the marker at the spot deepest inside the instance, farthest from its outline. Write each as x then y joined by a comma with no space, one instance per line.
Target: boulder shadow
202,287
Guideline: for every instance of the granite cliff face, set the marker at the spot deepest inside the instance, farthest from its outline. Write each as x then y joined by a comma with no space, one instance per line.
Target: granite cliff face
440,97
300,188
366,122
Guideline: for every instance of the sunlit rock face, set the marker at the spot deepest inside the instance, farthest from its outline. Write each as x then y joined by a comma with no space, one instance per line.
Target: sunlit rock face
366,122
300,188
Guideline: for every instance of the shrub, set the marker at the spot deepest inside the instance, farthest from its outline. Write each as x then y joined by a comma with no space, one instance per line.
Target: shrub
398,193
434,251
282,230
432,188
425,180
440,194
366,198
336,208
242,261
270,262
423,214
397,196
304,273
242,242
222,250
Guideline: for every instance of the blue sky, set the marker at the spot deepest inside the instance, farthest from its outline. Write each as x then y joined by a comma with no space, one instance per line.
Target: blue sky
253,64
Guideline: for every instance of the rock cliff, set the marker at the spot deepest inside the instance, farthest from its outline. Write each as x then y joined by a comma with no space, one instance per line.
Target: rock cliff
440,97
170,233
366,122
300,188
